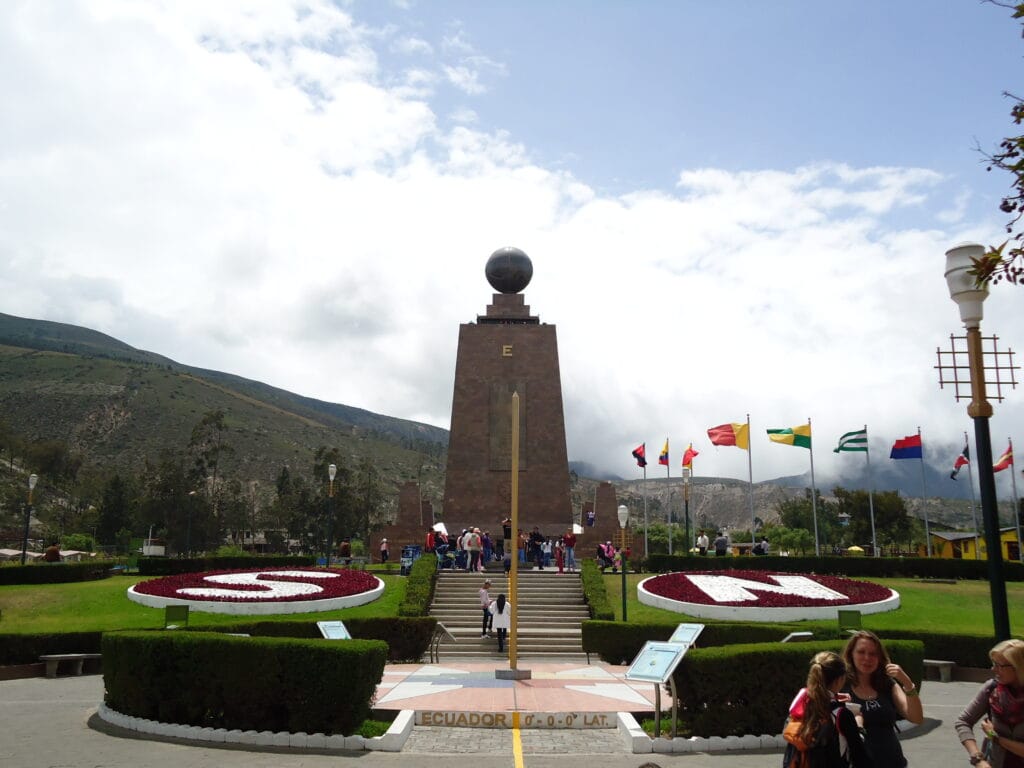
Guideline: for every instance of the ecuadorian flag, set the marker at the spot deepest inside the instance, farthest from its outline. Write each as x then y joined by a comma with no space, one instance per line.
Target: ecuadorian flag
663,456
797,436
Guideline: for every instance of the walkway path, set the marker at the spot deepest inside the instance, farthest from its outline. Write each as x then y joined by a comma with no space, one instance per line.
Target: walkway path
47,723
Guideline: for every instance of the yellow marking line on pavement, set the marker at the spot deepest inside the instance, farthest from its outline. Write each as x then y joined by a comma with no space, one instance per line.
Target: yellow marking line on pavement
517,742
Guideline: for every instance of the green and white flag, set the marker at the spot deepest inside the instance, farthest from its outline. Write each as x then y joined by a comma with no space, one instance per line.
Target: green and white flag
853,441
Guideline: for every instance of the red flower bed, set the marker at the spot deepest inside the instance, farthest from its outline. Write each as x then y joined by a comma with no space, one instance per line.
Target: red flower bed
332,582
676,586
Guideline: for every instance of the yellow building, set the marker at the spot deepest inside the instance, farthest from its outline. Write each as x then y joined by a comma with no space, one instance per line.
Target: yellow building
959,545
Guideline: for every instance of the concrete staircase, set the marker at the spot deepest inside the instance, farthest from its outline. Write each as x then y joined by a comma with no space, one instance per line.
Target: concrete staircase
551,608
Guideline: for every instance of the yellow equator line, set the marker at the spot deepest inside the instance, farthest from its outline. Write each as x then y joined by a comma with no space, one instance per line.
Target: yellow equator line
517,742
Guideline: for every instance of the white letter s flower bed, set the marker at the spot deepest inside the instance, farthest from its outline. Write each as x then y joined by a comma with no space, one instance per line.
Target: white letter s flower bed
761,596
261,592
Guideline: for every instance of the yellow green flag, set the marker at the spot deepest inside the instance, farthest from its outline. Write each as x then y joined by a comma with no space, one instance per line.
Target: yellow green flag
798,436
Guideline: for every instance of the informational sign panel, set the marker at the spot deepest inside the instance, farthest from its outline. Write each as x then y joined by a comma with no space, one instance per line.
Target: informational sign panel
334,630
686,634
656,662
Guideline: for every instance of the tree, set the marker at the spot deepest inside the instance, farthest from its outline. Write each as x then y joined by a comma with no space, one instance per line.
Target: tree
115,510
1006,261
798,513
207,445
892,524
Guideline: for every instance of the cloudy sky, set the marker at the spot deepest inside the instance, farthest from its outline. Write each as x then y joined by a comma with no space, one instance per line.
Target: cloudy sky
731,208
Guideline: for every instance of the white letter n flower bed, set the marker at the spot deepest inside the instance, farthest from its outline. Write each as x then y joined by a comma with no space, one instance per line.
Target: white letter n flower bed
258,592
761,596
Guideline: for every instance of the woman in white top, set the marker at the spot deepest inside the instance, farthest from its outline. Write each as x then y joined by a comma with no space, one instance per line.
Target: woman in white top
501,610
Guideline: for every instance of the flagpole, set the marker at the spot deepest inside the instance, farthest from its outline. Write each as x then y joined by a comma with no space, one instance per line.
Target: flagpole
814,495
645,509
668,476
974,516
871,493
924,501
1015,508
750,476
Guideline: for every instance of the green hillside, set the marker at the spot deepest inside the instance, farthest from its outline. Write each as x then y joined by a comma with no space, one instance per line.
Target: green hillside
116,406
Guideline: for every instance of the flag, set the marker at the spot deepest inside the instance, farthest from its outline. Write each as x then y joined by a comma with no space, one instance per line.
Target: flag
963,458
1006,460
798,436
639,453
689,456
853,441
730,434
663,457
908,447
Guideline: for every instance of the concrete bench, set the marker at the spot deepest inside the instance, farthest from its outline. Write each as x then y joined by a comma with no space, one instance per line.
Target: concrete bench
52,660
944,668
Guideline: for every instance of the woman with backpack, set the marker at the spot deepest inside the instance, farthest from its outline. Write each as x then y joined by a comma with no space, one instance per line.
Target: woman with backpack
885,693
822,732
1001,703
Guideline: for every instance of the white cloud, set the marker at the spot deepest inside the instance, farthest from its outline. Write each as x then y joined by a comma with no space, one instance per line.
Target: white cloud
247,191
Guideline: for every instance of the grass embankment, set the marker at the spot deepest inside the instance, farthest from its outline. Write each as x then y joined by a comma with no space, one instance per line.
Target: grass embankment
103,605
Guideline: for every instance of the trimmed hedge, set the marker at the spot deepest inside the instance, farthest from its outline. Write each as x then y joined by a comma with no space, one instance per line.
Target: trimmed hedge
169,566
617,642
55,573
865,567
16,648
419,588
740,689
407,638
595,592
262,684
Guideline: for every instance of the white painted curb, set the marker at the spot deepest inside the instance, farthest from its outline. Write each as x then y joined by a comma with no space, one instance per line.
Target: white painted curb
392,741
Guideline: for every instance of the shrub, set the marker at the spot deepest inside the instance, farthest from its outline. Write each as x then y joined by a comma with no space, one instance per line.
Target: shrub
595,592
246,683
854,567
167,566
419,588
55,573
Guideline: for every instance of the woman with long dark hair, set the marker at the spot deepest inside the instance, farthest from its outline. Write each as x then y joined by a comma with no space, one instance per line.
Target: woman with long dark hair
885,693
501,611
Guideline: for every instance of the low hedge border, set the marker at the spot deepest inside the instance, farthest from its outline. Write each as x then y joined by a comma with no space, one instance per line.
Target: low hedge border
208,680
595,592
55,573
419,587
876,567
407,638
170,566
616,642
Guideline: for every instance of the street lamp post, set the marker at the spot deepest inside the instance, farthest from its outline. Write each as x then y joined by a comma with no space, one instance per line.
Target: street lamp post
623,512
686,507
970,297
32,480
332,472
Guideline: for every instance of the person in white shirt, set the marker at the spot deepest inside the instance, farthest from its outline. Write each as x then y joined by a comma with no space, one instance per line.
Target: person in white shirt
501,610
702,543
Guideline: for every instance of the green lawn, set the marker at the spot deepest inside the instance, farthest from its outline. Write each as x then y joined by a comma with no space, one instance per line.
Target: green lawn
963,608
101,605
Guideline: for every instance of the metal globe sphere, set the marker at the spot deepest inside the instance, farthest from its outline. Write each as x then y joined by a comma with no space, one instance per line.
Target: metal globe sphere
509,270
